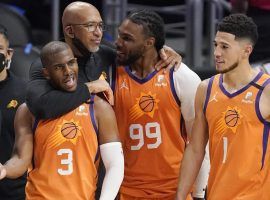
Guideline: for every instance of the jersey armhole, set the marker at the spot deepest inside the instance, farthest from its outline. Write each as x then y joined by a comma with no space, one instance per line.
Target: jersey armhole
257,101
173,87
209,88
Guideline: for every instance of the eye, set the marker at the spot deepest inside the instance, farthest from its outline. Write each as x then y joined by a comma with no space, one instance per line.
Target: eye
224,47
72,62
58,67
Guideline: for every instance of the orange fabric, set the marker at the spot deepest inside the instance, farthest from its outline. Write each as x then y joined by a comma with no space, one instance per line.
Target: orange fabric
235,141
147,111
64,168
127,197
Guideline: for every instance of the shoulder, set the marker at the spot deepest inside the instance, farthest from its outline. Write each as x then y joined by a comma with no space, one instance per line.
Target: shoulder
107,51
184,73
35,70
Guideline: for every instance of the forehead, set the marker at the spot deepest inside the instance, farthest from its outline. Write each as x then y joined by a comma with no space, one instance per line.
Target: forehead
131,28
61,57
87,14
225,37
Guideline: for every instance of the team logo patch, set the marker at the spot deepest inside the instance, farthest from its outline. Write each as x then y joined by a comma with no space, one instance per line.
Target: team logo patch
66,131
230,119
12,104
161,81
248,98
145,104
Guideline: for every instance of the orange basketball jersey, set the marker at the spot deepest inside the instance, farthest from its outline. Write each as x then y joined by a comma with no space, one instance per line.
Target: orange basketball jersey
238,141
148,116
65,157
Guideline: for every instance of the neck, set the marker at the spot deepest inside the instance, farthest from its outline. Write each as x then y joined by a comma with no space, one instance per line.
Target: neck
3,74
239,77
145,65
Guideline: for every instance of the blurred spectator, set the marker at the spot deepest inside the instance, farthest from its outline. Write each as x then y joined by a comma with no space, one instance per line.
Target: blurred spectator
12,94
259,10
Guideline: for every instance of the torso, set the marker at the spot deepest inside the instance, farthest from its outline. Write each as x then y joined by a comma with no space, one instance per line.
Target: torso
148,116
65,157
238,141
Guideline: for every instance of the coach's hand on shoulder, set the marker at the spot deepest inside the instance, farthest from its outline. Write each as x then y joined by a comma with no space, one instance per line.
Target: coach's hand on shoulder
98,86
169,59
3,171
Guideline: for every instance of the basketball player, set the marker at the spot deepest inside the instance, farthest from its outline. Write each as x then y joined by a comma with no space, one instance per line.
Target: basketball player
236,124
66,150
152,110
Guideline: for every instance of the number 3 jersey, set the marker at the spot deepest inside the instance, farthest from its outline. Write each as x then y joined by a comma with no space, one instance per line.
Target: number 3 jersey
238,141
65,157
149,122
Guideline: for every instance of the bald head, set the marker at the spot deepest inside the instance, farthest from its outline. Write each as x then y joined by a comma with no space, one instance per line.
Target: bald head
76,12
49,51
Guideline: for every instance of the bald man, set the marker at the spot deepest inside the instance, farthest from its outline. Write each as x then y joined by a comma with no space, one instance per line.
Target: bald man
83,29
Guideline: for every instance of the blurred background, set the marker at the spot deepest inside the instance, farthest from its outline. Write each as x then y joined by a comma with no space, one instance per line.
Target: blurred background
190,26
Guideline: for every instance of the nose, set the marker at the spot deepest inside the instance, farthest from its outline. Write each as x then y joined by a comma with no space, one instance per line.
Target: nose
67,71
117,42
98,32
217,52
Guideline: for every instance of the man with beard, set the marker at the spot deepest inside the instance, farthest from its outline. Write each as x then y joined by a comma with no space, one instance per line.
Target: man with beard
12,94
83,29
154,111
232,111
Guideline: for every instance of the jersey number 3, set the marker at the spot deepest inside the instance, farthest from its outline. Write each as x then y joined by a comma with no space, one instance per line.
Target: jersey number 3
68,169
152,130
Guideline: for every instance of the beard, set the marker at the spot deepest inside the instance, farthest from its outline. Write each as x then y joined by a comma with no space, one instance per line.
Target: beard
230,68
82,48
130,58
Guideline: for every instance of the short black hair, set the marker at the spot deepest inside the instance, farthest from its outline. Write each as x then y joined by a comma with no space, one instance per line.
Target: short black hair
239,25
153,25
4,32
50,49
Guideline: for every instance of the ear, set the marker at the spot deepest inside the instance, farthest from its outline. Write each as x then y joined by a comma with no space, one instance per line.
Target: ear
248,50
45,73
150,42
69,31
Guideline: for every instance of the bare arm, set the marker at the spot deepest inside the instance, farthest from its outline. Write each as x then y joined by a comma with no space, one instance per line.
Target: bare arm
110,149
195,150
23,147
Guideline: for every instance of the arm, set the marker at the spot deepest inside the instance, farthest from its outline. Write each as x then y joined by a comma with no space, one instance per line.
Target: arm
110,149
195,150
17,165
46,102
169,59
182,77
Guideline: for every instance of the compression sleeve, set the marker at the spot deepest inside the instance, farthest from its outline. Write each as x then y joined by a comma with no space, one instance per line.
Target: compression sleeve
186,82
113,159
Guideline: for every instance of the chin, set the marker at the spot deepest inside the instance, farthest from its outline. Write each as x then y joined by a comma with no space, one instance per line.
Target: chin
93,49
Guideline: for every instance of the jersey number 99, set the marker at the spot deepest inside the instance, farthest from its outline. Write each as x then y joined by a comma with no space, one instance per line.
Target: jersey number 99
136,132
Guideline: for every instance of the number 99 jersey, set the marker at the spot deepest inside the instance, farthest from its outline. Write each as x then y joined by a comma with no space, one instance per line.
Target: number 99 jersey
65,157
149,122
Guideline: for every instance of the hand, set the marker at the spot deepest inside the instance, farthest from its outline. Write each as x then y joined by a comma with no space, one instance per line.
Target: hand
3,171
169,59
101,86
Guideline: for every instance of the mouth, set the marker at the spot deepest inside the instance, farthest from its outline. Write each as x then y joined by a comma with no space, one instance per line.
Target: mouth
70,81
97,41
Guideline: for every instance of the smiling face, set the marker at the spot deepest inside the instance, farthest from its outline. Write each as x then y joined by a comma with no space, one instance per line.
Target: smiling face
130,44
62,70
228,52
